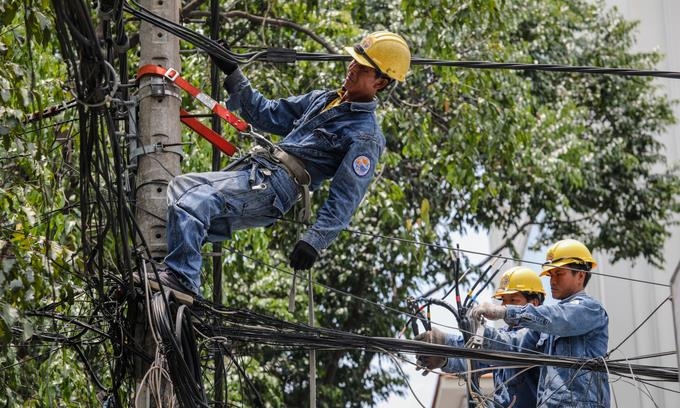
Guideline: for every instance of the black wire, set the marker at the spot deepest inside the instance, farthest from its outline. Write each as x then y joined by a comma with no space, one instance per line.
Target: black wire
286,55
485,285
250,326
181,353
638,326
467,251
257,397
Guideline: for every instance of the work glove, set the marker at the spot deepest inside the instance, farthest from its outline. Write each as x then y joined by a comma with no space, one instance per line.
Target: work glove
434,336
303,256
489,311
225,65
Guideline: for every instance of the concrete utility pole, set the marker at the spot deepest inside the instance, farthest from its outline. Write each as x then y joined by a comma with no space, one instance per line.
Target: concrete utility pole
159,127
157,153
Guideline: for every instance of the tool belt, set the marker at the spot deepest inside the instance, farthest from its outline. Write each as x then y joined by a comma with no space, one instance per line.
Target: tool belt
295,168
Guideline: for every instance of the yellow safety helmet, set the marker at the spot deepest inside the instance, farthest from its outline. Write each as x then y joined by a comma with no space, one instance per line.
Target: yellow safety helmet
519,279
566,252
384,51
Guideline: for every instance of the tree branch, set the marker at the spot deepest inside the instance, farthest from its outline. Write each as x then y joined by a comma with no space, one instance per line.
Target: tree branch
191,6
277,22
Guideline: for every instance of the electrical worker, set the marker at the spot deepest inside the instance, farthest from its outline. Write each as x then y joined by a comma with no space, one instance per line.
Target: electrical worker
577,326
513,387
326,135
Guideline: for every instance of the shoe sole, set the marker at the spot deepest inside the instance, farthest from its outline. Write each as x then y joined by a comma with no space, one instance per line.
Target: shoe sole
181,297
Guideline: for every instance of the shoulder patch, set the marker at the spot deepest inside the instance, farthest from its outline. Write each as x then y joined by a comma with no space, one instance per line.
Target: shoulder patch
361,165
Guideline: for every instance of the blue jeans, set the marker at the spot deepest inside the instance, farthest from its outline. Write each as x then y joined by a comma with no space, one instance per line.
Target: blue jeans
209,206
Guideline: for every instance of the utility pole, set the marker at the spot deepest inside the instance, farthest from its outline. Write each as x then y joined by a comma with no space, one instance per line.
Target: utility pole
159,127
157,155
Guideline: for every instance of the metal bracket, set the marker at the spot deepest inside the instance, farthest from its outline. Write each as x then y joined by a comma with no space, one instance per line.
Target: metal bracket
157,88
154,148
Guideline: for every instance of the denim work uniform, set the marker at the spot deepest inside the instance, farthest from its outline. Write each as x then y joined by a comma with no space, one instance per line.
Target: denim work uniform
343,143
514,387
575,327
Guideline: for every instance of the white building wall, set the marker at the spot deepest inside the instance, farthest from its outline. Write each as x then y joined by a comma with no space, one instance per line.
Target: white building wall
630,303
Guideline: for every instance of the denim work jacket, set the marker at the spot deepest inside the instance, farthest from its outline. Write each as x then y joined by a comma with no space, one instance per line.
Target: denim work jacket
514,387
343,143
575,327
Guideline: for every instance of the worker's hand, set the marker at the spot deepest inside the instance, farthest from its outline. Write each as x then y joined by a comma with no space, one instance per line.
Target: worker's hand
427,363
489,311
225,65
303,256
434,336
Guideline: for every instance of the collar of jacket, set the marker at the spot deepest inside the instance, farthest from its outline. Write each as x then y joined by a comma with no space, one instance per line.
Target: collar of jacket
369,106
570,298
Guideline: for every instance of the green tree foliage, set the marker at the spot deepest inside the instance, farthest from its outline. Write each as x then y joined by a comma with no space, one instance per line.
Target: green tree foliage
38,228
565,154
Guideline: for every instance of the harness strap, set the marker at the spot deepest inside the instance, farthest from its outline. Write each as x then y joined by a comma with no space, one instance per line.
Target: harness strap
173,76
296,169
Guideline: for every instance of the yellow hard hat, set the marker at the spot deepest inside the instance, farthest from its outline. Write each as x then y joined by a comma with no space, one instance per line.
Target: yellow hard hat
519,279
387,52
566,252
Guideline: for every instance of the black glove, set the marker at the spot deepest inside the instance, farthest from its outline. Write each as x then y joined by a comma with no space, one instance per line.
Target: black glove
303,256
225,65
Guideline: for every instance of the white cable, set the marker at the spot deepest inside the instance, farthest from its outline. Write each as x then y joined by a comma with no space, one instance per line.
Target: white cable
636,381
611,390
147,295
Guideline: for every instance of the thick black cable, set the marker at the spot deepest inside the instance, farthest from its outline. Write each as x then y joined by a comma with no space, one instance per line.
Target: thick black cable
290,56
250,326
180,353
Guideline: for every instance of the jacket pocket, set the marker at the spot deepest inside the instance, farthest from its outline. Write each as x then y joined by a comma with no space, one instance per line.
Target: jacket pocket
331,140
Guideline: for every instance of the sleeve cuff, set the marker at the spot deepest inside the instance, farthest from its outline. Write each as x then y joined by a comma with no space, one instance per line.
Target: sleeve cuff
512,314
235,81
314,239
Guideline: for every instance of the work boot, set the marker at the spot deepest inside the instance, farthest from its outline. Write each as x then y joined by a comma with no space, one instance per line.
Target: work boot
170,282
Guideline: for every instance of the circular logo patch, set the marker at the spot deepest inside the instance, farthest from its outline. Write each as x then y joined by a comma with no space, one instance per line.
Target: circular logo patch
362,165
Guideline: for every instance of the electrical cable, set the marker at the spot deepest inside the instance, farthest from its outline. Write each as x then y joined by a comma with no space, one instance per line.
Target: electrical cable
468,251
250,326
290,56
94,84
639,325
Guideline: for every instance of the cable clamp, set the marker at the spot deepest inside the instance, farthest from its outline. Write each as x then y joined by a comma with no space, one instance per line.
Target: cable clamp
280,55
478,337
156,148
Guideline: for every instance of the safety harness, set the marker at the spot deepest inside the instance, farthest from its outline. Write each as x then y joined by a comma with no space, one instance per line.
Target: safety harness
264,148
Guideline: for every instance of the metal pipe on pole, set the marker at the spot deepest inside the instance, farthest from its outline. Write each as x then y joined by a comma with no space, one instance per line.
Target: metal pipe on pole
216,124
312,352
